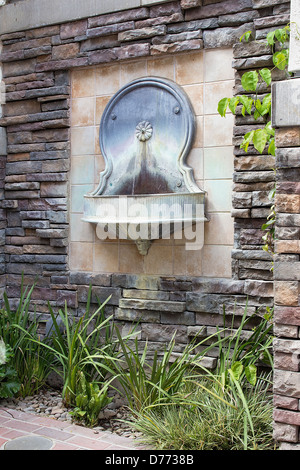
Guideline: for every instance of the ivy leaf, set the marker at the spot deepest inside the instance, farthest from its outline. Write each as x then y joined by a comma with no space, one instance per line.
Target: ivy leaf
280,59
222,106
272,148
250,80
270,130
250,372
247,104
282,35
233,104
246,36
266,105
247,140
237,369
266,75
260,138
271,38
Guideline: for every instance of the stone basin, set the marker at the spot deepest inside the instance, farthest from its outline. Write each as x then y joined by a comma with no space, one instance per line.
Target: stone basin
144,218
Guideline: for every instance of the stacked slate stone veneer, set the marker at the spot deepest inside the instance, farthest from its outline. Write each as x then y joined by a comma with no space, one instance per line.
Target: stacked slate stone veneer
34,193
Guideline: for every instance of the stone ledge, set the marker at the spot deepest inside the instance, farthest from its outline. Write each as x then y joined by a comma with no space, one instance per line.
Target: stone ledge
36,13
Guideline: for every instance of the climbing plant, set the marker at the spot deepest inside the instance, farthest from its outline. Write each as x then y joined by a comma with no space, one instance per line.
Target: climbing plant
260,109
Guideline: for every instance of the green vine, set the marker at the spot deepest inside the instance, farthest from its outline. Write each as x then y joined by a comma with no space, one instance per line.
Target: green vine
260,109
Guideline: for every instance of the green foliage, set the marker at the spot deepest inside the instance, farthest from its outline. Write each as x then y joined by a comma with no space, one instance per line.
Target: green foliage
205,422
78,347
17,326
263,137
90,399
155,381
9,383
251,82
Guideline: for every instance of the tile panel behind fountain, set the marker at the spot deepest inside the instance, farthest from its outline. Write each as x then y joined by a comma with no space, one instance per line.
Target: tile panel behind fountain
58,79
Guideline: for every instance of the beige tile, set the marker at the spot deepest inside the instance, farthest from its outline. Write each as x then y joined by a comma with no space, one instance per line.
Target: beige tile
216,91
199,135
107,79
97,149
130,259
106,257
81,256
219,230
218,162
83,112
194,262
81,231
195,160
162,67
216,261
189,68
179,260
82,170
218,130
218,65
132,70
219,194
101,103
82,141
159,260
195,93
77,196
83,83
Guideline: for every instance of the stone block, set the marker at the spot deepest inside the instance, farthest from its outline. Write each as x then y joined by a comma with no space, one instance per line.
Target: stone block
65,51
164,332
224,37
286,293
145,294
287,315
179,46
259,288
285,432
288,417
132,315
118,17
162,306
110,29
287,137
136,34
70,30
287,158
218,9
287,203
185,318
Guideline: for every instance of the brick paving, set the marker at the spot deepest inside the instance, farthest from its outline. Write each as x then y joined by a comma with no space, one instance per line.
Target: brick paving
65,436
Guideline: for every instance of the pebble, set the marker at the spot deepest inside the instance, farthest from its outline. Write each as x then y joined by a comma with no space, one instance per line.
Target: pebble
49,403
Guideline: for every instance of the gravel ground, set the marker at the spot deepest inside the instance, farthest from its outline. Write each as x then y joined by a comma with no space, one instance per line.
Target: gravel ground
48,402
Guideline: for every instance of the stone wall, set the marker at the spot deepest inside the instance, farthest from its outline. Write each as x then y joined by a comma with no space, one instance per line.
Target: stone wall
36,68
286,267
34,192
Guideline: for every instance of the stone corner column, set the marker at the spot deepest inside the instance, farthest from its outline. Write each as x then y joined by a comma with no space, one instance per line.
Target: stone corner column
286,120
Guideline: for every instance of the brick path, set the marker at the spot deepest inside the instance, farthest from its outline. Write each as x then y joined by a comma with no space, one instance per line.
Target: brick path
65,436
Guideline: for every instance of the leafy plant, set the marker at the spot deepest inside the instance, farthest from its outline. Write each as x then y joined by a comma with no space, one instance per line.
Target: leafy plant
205,421
238,356
252,81
78,348
9,384
90,399
154,382
16,327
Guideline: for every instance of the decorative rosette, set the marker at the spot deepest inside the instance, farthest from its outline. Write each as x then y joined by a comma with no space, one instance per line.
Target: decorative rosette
144,131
